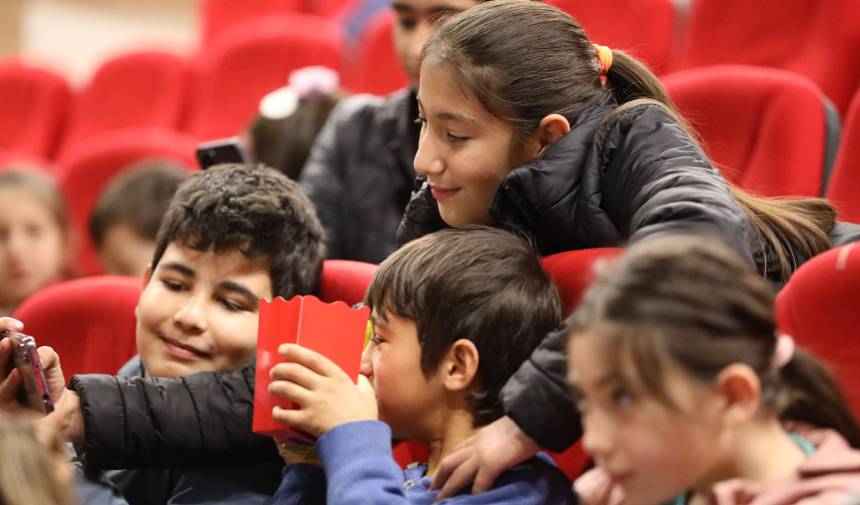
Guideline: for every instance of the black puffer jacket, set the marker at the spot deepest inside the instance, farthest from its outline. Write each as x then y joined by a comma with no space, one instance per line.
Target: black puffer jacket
198,420
359,174
606,183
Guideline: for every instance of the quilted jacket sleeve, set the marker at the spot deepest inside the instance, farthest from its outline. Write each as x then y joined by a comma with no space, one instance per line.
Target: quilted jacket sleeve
201,419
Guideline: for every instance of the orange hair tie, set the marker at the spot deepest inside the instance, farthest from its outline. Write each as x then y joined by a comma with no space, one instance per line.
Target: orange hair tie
604,57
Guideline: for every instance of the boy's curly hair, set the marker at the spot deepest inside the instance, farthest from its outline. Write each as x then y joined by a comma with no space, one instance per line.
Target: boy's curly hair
256,210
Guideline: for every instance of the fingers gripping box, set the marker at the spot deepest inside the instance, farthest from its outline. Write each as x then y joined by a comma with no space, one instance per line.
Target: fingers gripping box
332,329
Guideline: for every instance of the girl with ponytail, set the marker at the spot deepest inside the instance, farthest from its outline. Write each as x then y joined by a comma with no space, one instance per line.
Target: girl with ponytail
688,394
526,124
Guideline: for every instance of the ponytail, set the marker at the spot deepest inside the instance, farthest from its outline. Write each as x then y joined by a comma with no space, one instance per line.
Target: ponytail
810,395
788,228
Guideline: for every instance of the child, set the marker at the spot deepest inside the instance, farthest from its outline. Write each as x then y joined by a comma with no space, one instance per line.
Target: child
35,468
34,236
359,174
232,235
454,314
125,220
688,394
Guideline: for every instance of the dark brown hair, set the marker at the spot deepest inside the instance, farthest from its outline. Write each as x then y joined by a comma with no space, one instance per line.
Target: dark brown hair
523,60
253,209
691,302
285,143
138,198
482,284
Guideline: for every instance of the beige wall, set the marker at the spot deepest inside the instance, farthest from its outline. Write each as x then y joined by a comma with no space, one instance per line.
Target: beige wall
10,26
74,36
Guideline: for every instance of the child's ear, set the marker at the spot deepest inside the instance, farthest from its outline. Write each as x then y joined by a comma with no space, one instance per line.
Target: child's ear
460,365
740,389
551,128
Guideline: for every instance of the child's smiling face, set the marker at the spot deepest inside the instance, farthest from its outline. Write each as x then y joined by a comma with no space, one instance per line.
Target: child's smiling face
198,312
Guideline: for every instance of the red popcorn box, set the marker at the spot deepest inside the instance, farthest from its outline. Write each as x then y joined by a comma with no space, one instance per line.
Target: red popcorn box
332,329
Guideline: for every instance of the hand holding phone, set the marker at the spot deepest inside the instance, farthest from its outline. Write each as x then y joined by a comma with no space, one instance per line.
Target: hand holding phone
34,392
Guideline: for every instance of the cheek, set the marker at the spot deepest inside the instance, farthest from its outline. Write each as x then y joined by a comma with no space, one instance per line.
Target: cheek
234,340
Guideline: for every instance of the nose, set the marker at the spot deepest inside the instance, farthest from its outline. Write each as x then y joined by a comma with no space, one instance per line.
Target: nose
596,438
366,367
427,160
191,315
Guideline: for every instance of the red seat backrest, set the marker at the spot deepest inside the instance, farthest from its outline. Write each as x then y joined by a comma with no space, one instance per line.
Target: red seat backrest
378,70
809,37
252,60
89,165
346,281
134,90
618,24
819,307
33,106
765,128
90,322
220,16
843,188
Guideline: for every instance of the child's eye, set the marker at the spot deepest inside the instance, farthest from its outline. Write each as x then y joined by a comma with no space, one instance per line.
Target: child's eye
231,306
421,121
376,340
622,398
172,285
406,23
456,139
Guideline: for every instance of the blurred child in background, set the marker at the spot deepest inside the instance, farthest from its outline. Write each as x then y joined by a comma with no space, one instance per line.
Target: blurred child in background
35,469
125,220
34,236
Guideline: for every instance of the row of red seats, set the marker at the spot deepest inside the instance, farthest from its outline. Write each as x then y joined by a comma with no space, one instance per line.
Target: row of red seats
91,322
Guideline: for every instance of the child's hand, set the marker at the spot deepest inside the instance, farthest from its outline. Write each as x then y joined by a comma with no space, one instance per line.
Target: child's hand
324,393
67,413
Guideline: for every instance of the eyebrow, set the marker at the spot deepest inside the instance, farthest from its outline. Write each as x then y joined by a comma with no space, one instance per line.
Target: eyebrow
448,116
235,287
432,11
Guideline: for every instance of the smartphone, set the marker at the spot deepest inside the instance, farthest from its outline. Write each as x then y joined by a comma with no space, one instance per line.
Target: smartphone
228,150
34,392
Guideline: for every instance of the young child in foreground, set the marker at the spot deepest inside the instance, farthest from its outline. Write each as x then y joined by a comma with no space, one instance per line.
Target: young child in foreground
689,395
454,314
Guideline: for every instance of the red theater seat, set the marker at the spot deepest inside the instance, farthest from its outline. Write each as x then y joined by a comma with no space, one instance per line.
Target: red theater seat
378,70
819,307
134,90
252,60
843,188
219,16
345,280
769,131
619,25
816,39
33,108
90,165
90,322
